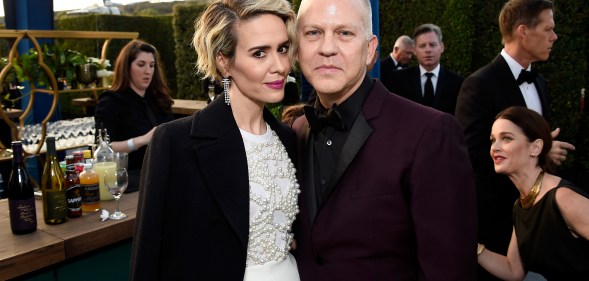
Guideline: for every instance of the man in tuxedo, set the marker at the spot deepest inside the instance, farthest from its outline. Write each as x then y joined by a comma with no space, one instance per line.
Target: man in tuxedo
387,190
428,83
527,30
399,58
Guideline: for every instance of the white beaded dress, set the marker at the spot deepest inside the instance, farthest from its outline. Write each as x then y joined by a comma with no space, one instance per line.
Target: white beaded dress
273,207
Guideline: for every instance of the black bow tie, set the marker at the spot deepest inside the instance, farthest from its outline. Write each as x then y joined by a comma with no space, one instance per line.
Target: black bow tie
526,76
319,119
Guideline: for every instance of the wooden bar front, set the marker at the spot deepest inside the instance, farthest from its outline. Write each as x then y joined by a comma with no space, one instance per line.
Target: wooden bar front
52,244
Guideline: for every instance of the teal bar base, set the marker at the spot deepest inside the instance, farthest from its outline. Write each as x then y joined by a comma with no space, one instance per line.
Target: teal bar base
111,263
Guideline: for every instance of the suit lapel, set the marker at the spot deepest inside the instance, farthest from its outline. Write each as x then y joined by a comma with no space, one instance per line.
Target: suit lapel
308,174
513,95
540,87
218,148
440,88
416,85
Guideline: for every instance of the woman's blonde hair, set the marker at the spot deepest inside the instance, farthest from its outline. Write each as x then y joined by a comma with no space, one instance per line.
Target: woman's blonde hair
215,30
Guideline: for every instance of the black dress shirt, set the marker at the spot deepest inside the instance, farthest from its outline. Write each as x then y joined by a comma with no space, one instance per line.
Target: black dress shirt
328,143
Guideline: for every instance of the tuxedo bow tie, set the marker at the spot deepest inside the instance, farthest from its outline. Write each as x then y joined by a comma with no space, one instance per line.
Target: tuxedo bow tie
319,119
526,76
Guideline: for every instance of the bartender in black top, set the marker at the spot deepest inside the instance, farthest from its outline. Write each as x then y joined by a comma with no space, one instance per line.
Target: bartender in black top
138,101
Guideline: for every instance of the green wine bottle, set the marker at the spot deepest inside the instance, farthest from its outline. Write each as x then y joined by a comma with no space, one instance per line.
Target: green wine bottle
53,187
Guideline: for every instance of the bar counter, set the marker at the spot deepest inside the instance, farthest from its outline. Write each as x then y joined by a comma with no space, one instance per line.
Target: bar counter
180,106
53,244
13,113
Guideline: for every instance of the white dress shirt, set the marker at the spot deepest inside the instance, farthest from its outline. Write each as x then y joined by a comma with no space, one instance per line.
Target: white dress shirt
529,91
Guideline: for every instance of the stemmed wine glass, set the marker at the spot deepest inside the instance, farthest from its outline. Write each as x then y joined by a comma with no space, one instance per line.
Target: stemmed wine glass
116,182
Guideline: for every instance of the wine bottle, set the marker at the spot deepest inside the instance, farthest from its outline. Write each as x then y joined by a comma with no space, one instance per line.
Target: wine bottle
53,187
73,190
21,200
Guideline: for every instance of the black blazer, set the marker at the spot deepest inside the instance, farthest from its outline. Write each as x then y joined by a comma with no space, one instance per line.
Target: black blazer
407,83
483,95
387,66
193,213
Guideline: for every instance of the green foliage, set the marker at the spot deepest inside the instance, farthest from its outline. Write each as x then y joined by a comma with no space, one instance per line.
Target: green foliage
276,109
11,75
148,12
6,98
62,63
27,67
486,38
140,9
401,17
295,4
189,84
458,36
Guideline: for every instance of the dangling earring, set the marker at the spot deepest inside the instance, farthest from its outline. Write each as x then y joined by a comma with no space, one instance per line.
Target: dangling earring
226,83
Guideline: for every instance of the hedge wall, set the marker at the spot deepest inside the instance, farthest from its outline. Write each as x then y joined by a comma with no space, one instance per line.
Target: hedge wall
189,84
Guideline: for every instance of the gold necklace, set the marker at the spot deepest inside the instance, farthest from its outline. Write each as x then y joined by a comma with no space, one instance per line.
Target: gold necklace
528,200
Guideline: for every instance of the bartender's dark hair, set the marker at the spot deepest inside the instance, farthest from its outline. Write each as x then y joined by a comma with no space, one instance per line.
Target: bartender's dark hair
157,93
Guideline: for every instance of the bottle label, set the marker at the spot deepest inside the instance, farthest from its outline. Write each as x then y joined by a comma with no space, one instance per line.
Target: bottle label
22,214
56,204
74,198
90,193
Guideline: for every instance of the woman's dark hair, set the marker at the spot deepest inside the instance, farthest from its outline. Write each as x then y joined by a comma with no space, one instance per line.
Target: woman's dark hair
157,93
534,127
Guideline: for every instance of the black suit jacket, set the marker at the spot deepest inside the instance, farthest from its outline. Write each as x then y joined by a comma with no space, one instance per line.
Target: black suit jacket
193,213
387,66
407,83
483,95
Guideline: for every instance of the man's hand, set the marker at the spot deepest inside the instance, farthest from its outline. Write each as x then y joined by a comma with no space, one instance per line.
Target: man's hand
559,150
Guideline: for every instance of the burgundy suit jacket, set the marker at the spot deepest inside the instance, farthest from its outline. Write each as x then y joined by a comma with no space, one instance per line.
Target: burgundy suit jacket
401,203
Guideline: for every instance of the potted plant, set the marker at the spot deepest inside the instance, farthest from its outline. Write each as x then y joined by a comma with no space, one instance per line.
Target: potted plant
61,62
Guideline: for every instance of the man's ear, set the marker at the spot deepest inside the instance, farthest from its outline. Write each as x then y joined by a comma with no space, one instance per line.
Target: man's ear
372,44
521,30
